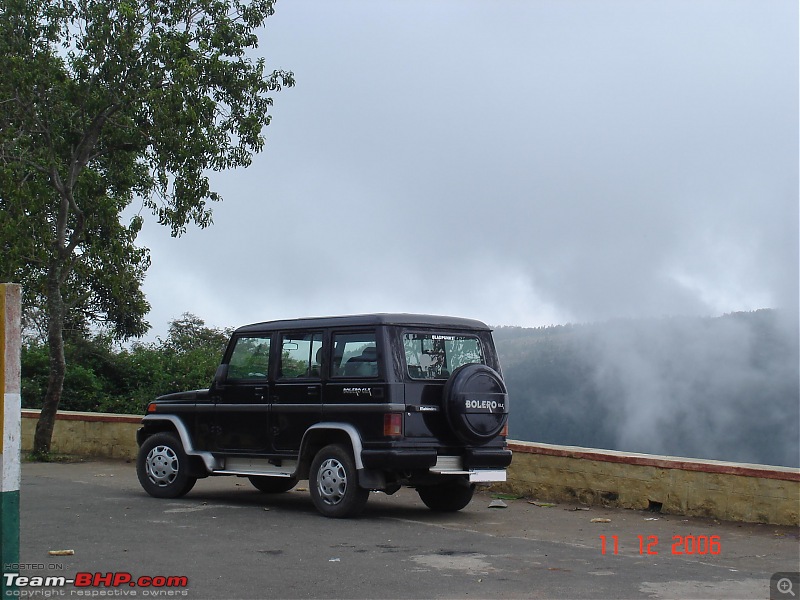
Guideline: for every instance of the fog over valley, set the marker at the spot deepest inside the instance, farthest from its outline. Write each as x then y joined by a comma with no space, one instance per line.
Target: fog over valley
721,388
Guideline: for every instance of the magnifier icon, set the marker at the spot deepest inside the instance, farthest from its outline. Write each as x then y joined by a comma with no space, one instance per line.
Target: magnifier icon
785,586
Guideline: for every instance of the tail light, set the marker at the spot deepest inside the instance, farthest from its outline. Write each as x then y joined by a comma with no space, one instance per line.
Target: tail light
504,430
393,424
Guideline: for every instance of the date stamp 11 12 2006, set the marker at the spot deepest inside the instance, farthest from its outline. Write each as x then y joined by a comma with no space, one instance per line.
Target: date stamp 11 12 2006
678,545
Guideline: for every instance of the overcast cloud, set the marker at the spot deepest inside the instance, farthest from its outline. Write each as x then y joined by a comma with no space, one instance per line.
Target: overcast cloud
519,162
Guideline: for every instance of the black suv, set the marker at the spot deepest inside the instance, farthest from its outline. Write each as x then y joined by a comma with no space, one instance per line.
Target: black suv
353,404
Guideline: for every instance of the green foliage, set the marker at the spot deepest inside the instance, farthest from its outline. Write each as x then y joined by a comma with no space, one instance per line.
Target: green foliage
34,373
103,102
103,378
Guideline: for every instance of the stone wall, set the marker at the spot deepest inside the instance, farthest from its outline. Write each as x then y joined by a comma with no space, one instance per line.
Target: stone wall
87,434
681,486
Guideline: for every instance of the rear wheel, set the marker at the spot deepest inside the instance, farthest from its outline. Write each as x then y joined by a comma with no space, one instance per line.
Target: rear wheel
447,497
162,467
334,483
272,485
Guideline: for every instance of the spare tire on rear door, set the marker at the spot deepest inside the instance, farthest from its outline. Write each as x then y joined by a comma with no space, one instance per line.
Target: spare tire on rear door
475,403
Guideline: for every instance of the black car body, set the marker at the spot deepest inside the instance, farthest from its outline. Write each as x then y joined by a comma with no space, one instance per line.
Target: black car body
355,403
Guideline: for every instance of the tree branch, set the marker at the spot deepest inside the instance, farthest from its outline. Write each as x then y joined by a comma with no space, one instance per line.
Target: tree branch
81,154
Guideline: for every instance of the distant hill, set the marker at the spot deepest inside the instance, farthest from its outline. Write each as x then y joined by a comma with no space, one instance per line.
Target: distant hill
724,388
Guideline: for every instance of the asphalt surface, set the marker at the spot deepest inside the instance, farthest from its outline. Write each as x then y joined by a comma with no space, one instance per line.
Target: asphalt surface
230,541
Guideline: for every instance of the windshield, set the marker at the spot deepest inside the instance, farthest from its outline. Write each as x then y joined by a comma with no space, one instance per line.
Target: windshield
435,356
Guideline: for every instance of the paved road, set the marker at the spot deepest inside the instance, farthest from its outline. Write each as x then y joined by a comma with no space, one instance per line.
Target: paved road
231,541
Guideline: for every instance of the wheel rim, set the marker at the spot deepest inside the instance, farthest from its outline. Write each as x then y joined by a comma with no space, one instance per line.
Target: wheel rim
162,465
332,481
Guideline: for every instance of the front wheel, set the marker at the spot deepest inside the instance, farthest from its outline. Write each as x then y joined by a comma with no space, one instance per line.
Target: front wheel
334,483
162,467
447,497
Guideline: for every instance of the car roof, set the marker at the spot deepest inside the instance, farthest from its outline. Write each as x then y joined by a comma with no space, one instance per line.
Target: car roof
408,320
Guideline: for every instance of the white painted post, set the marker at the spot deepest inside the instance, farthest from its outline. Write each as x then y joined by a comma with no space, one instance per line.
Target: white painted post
10,430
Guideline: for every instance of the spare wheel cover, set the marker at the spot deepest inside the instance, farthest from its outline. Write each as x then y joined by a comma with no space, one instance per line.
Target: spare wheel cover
476,403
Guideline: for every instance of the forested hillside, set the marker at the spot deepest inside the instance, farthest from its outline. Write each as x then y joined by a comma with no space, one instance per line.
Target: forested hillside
723,388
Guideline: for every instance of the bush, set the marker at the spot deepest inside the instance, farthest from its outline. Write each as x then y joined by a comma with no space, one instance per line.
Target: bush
103,378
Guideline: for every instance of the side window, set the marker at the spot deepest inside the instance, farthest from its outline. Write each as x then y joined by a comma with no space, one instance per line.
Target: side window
250,359
435,356
301,355
354,355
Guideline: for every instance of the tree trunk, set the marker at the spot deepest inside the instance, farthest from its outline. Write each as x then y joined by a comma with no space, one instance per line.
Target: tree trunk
55,340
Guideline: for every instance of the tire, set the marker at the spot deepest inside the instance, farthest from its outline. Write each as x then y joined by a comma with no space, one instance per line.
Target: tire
272,485
333,483
162,467
447,497
475,402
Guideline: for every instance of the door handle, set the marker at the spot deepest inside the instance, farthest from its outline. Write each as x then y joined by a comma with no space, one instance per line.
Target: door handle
312,390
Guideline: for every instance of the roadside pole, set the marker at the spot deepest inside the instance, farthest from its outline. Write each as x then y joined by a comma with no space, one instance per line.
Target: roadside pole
10,430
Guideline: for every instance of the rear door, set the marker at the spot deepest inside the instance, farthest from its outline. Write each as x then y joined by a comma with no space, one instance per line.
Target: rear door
430,358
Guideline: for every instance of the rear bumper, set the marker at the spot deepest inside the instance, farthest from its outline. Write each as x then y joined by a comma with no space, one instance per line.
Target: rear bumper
487,458
412,459
399,459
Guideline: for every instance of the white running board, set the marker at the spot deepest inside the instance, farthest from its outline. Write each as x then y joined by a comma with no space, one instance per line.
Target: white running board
256,466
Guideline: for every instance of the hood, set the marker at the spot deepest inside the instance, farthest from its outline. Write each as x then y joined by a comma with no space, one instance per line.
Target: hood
190,396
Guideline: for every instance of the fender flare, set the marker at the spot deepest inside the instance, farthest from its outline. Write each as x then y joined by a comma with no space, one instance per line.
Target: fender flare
352,433
211,464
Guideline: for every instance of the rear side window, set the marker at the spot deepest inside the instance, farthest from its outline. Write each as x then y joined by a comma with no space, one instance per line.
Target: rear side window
301,355
354,355
249,359
436,356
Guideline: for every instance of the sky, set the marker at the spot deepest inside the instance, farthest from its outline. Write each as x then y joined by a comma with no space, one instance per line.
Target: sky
520,162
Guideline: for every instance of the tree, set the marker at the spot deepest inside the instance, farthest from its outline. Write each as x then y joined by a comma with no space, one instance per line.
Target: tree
191,353
189,332
104,101
103,376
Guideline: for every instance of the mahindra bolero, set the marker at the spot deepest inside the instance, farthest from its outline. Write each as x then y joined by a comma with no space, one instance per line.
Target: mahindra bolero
353,404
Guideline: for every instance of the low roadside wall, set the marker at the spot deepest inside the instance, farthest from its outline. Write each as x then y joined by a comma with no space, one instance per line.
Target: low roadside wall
672,485
682,486
86,434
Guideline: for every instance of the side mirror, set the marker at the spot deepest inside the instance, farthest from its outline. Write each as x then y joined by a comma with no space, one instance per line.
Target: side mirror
220,377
